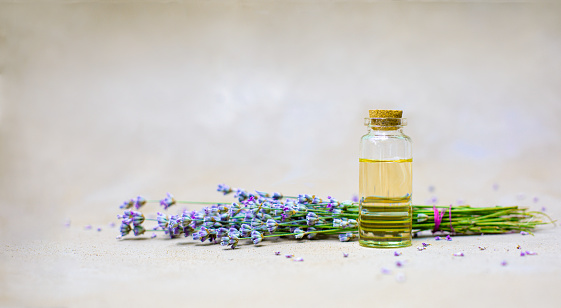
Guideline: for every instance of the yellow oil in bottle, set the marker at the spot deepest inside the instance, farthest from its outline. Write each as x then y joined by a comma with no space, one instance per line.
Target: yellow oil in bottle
385,217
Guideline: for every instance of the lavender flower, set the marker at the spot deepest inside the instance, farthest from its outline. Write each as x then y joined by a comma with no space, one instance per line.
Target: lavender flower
299,234
139,202
262,194
256,237
354,198
504,263
127,204
246,230
224,241
298,259
458,254
345,237
310,233
225,189
398,263
531,253
153,235
163,220
448,238
271,225
277,196
277,253
137,218
233,242
437,238
524,233
233,232
522,253
312,218
345,255
167,201
385,271
127,217
241,195
125,229
397,253
138,230
425,244
221,232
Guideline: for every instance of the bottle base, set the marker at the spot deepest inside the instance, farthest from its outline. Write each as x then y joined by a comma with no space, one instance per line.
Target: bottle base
384,244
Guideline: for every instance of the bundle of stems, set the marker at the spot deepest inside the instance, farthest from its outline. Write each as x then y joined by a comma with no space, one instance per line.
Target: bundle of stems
260,215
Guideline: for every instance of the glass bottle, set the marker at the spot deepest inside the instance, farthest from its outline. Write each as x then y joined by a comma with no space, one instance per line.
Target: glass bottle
385,182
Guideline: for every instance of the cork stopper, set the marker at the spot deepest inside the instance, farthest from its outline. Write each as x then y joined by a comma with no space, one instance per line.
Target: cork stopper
385,113
385,119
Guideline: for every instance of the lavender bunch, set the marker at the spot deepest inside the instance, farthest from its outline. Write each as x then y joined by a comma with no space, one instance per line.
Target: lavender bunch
260,215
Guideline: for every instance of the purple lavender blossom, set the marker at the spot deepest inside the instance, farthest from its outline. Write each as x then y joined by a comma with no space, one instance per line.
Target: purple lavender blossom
458,254
397,253
437,238
355,198
271,225
88,227
425,244
310,233
139,202
312,218
256,237
127,204
448,237
137,218
504,263
531,253
163,220
111,225
522,253
125,229
298,259
524,233
299,234
277,196
167,201
385,271
345,255
277,253
138,230
99,229
153,235
536,199
223,188
398,264
262,194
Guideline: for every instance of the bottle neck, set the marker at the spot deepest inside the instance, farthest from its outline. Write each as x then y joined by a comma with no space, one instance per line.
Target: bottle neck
387,131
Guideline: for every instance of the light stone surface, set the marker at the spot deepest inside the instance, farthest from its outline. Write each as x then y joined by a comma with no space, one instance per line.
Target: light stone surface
103,100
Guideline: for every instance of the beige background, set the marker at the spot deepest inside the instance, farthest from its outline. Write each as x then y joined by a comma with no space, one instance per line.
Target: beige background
102,100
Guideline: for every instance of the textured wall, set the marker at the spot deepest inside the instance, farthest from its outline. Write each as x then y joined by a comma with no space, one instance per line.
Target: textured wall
102,101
